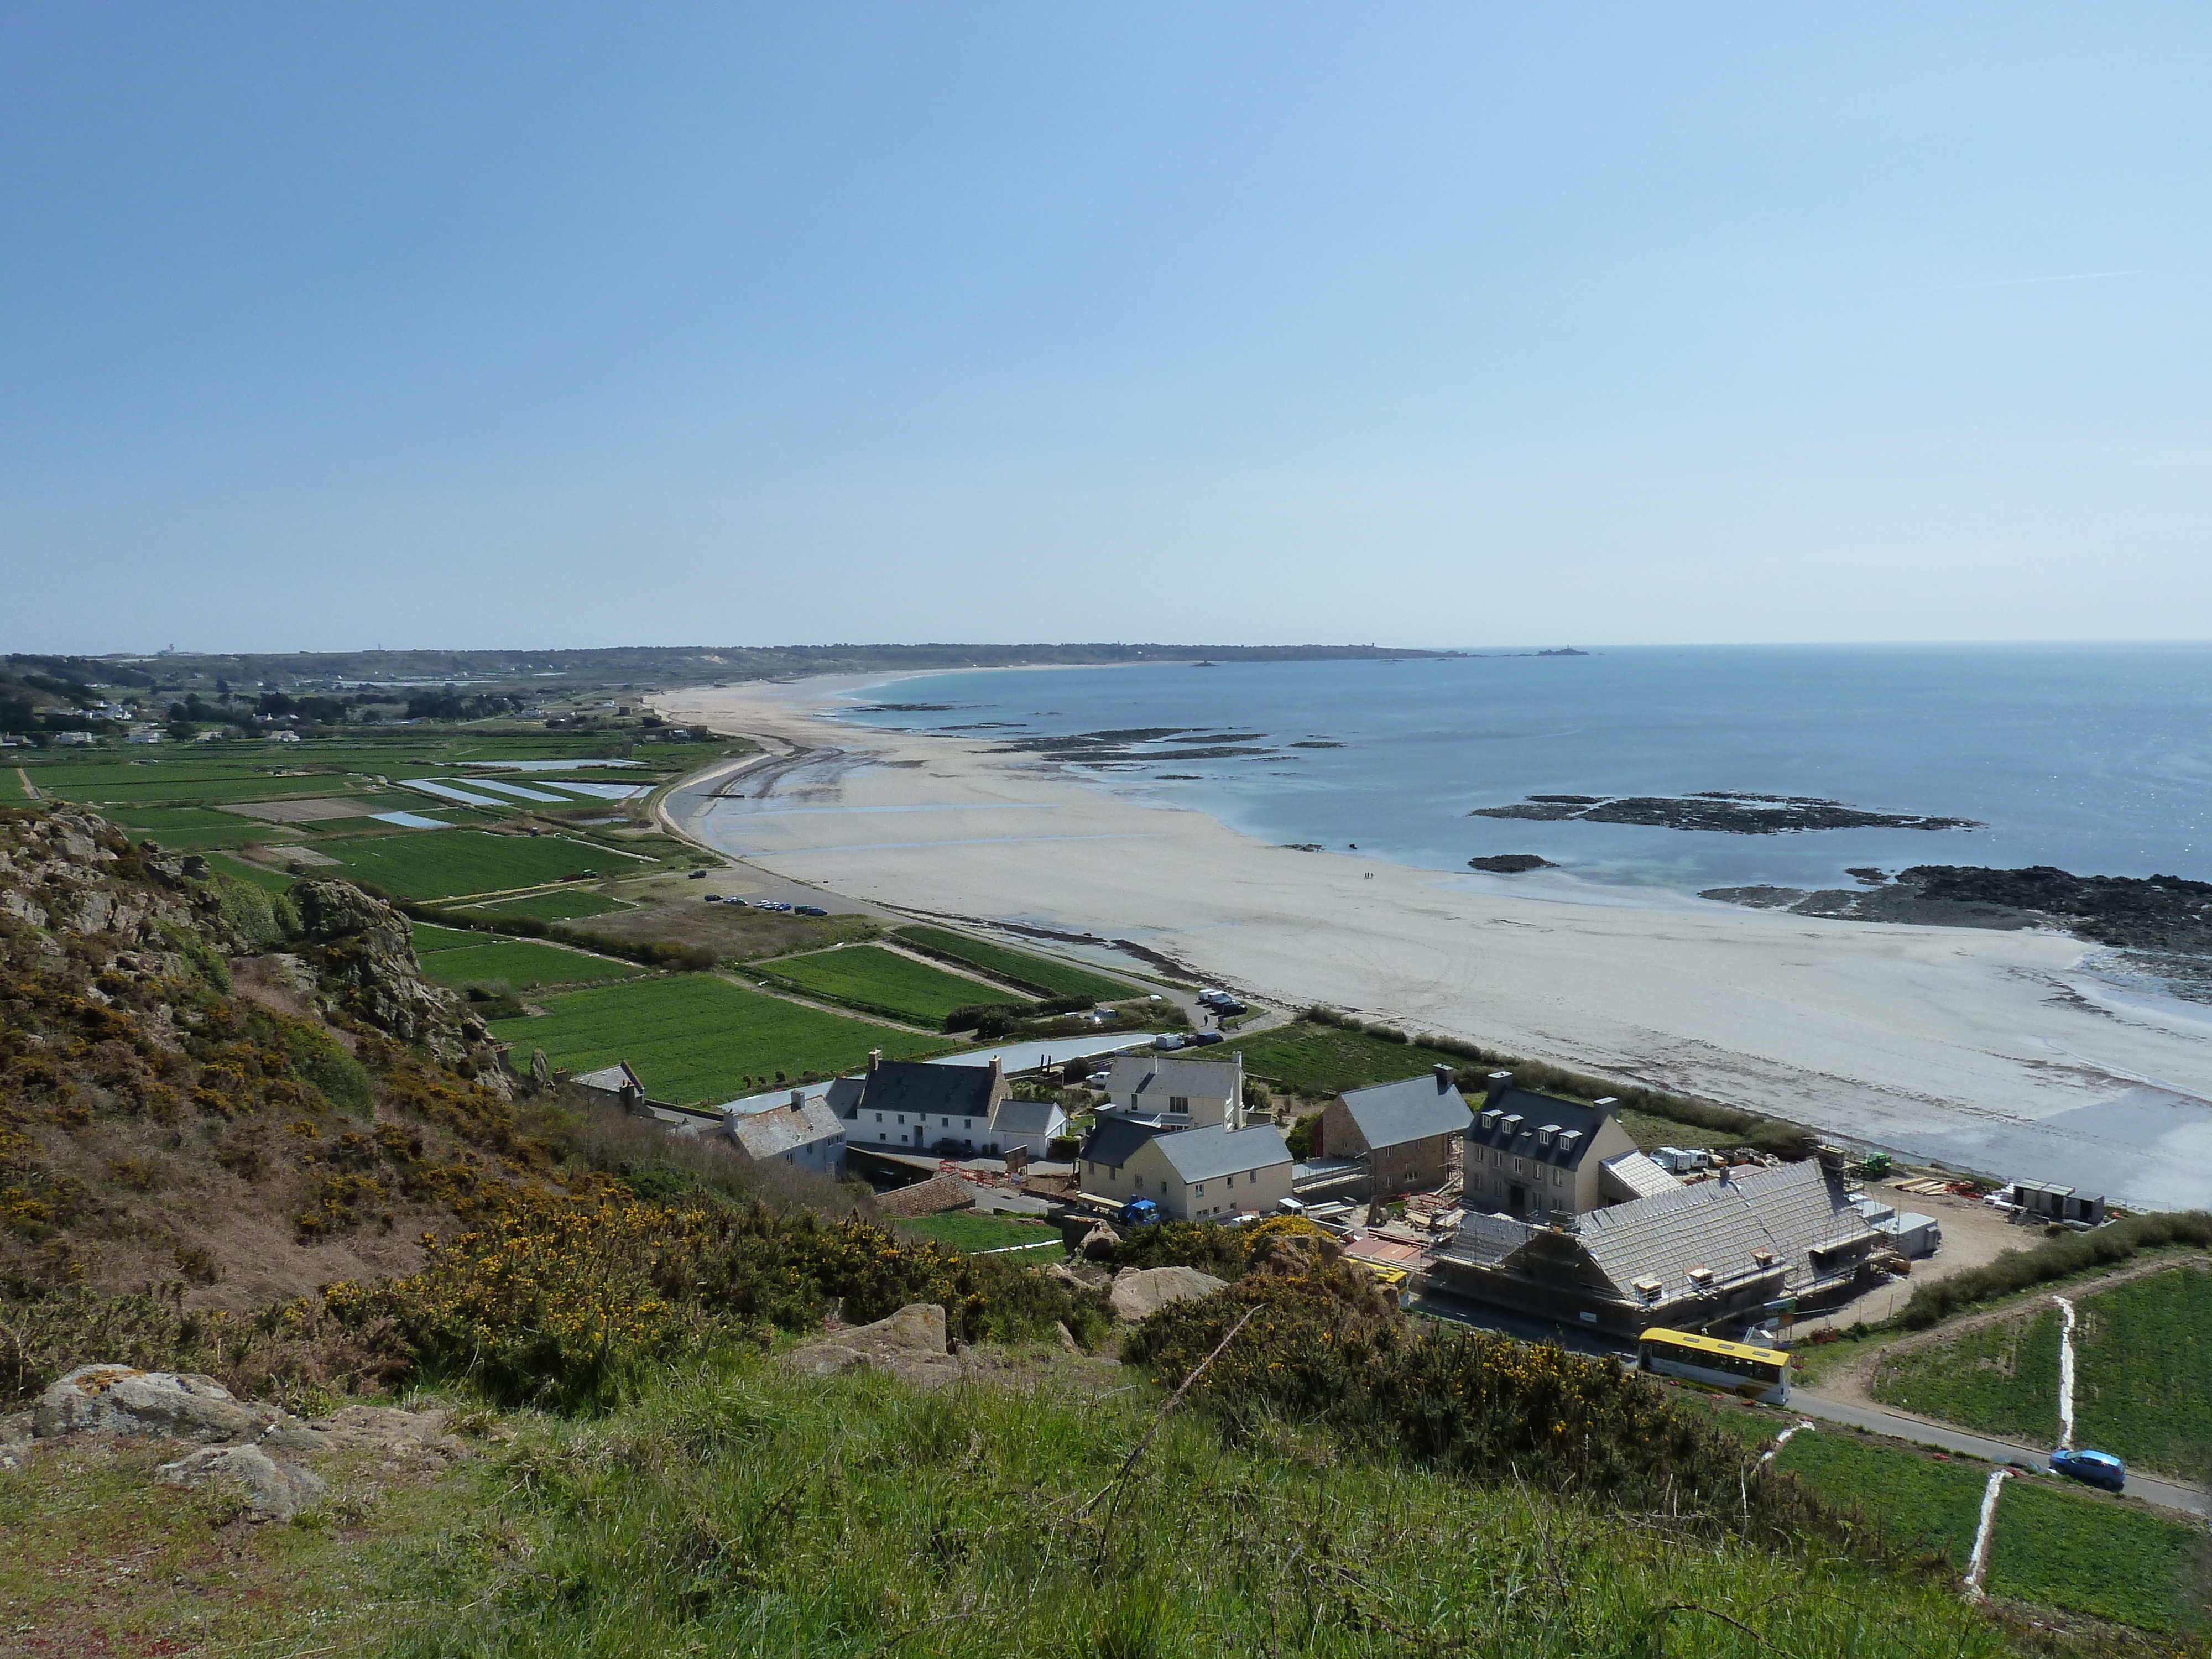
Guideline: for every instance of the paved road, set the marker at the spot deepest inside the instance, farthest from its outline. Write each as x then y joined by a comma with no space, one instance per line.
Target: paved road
2165,1494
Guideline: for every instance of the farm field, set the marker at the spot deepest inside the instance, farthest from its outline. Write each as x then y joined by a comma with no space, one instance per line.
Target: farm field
696,1038
519,963
11,781
270,881
2002,1377
1323,1059
568,904
191,828
446,863
1057,979
428,937
2132,1344
153,785
2051,1544
882,981
2065,1549
970,1233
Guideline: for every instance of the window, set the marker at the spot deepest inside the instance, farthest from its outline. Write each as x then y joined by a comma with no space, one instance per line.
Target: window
1200,1190
1476,1150
944,1123
1140,1182
901,1117
879,1117
1178,1102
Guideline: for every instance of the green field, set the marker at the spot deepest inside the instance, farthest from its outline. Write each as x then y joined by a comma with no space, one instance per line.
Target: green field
521,964
11,782
696,1037
2052,1544
446,863
958,1230
155,784
1050,978
2132,1344
571,904
191,828
881,982
430,939
2066,1549
270,881
1326,1059
2002,1378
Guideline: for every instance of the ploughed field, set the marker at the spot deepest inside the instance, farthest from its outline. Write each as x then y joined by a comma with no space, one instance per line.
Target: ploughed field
696,1038
2143,1363
871,978
1041,974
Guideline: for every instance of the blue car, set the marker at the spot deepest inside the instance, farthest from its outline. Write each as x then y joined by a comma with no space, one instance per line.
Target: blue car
2092,1468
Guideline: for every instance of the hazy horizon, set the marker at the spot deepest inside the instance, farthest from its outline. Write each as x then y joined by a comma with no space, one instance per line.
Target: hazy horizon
976,324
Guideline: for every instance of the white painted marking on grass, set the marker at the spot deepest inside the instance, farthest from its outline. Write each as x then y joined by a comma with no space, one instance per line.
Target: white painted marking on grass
2066,1373
1782,1439
1977,1564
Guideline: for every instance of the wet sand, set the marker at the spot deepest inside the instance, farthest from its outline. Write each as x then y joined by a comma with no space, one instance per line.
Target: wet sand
1984,1049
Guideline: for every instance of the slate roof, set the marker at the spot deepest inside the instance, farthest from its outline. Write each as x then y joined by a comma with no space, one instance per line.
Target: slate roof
1115,1138
843,1096
1218,1150
609,1080
931,1197
783,1129
1411,1109
1789,1211
907,1086
1578,1123
1164,1074
1642,1176
1027,1117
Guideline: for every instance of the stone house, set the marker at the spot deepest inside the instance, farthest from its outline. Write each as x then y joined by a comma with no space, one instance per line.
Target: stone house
1401,1132
1178,1093
803,1134
1536,1155
1210,1174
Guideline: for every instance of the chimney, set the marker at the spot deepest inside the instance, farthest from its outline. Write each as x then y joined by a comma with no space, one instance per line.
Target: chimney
1444,1076
1609,1104
998,1068
875,1058
1498,1080
798,1098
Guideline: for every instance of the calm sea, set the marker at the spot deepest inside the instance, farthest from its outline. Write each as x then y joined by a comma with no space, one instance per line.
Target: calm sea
2094,758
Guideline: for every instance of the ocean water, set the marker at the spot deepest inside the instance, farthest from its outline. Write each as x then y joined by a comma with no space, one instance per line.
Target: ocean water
2094,758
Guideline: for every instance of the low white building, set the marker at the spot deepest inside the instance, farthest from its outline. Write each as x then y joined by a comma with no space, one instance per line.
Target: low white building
802,1134
1178,1093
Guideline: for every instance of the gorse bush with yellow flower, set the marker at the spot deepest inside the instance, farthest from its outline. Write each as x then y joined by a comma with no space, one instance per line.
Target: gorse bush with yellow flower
562,1300
1321,1347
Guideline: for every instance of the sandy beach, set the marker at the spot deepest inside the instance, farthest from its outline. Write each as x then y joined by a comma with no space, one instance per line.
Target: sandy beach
1984,1049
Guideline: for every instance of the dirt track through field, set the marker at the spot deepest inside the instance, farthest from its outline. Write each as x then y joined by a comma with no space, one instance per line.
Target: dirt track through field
1849,1383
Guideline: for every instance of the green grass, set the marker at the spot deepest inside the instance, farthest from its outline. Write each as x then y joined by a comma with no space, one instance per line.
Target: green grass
570,904
2143,1383
1917,1504
11,783
2002,1377
696,1037
882,981
270,881
1046,977
153,785
435,864
2066,1549
959,1231
2132,1347
429,938
1650,1133
522,964
191,828
1325,1059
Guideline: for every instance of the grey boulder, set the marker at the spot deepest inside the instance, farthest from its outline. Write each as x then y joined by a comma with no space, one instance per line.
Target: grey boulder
274,1491
1141,1292
910,1344
123,1400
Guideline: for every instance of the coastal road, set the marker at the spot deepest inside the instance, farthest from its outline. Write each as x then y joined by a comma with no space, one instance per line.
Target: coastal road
2166,1494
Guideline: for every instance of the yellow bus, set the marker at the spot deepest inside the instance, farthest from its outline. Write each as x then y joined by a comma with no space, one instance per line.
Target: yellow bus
1737,1367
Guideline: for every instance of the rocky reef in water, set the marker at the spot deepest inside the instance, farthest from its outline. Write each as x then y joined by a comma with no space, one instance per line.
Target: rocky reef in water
1510,863
1728,811
2166,916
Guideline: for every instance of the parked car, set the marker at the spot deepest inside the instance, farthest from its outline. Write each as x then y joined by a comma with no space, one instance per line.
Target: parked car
1168,1042
1203,1038
2091,1469
697,875
772,904
712,898
808,910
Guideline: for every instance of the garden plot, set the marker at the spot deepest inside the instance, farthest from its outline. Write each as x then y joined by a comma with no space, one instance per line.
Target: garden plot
457,861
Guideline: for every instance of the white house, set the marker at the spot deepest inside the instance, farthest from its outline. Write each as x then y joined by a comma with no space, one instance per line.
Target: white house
1178,1093
802,1134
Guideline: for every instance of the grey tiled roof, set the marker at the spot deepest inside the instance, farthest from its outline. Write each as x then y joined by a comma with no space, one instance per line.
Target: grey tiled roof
1411,1109
1641,1176
1163,1074
1026,1117
906,1085
1114,1139
1218,1150
783,1129
1718,1224
1536,1111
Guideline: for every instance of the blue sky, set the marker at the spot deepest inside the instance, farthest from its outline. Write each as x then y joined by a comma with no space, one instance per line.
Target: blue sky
324,328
